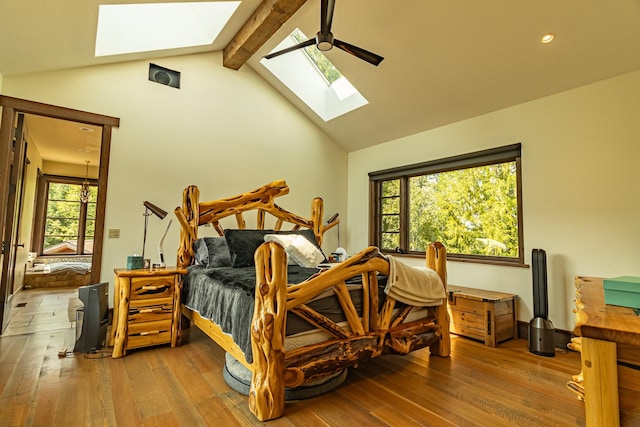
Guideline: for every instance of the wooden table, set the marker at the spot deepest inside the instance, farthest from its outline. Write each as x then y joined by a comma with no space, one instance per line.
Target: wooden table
609,336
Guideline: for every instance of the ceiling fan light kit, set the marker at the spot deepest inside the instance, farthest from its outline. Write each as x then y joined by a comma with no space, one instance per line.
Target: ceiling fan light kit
325,41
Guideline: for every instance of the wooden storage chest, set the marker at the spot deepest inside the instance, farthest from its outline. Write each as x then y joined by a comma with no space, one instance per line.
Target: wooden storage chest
484,315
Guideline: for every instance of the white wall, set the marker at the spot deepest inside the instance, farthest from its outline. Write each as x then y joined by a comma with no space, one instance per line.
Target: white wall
226,131
580,186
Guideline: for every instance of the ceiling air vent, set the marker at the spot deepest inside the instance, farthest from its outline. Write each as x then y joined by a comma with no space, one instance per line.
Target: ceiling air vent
164,76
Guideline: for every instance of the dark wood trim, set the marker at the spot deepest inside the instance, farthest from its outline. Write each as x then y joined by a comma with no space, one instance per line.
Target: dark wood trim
374,213
466,160
6,131
405,213
461,258
98,235
519,207
6,128
35,234
40,109
39,212
11,106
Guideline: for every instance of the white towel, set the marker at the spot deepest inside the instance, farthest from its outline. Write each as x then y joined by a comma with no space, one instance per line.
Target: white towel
414,286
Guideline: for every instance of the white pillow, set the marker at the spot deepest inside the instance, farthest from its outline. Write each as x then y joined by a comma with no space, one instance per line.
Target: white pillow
298,248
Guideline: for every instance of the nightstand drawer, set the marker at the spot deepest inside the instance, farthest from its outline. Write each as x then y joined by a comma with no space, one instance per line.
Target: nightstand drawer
150,310
151,287
149,333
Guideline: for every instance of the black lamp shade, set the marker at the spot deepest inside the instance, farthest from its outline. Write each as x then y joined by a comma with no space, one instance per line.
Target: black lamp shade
160,213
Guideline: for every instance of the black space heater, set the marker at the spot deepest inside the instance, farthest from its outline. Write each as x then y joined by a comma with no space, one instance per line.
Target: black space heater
540,327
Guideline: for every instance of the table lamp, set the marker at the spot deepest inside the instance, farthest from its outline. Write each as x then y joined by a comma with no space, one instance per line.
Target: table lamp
150,208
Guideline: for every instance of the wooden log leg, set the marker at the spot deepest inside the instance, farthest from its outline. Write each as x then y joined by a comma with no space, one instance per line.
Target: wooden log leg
576,345
600,370
114,319
176,327
266,395
436,259
442,347
120,342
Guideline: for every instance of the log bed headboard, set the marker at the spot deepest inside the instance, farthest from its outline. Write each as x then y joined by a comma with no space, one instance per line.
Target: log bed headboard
194,213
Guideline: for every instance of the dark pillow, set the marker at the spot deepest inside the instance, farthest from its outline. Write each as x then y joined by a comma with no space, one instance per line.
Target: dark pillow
212,252
243,243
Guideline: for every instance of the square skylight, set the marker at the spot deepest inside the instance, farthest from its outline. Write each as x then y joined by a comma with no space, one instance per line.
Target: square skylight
328,94
129,28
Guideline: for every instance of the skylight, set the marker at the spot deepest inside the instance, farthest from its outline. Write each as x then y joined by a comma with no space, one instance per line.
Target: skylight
128,28
314,79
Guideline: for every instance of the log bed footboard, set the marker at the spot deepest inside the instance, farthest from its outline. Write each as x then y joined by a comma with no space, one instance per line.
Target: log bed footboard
367,335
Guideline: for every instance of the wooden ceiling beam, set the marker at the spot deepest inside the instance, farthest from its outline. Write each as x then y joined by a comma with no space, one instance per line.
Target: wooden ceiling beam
262,24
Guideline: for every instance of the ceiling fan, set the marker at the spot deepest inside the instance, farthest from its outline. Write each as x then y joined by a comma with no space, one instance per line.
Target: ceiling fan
324,40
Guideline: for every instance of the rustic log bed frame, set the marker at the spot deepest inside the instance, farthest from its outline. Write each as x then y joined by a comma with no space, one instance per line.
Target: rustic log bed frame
373,334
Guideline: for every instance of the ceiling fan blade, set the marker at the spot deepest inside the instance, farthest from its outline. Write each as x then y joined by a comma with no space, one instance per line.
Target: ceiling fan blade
326,15
356,51
309,42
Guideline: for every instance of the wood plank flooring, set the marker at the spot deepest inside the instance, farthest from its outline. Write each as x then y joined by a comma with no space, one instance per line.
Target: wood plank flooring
163,386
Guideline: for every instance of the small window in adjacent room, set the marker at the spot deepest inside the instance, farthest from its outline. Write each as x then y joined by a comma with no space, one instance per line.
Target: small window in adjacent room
471,203
65,224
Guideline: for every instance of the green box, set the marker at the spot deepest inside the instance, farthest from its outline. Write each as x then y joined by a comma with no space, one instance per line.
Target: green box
134,262
623,291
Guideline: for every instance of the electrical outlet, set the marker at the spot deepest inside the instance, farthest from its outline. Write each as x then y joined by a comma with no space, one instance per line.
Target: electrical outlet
114,233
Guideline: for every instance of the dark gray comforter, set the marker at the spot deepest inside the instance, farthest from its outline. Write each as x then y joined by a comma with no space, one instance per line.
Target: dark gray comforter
226,296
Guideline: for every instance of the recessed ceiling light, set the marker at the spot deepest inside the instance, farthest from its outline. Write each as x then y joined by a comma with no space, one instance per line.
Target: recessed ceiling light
547,38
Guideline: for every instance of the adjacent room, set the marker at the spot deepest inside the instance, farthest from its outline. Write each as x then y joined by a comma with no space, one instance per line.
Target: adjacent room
210,209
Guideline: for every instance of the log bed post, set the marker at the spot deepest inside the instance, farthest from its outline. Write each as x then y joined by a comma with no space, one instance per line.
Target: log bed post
437,260
317,210
189,217
268,327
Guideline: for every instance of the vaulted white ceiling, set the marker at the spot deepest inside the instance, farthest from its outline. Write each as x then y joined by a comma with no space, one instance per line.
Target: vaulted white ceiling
445,61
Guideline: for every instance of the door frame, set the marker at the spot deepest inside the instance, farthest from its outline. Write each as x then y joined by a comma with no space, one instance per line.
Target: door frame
10,108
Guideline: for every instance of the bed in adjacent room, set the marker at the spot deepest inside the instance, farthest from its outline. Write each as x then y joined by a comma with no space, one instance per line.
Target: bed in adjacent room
58,272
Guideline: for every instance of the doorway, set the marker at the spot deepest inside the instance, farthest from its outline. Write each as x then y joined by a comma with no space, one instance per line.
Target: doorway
11,109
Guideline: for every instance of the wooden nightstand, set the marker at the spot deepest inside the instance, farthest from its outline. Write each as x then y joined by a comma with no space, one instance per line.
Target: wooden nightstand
146,308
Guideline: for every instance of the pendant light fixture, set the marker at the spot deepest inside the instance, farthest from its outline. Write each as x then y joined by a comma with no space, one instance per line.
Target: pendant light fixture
84,193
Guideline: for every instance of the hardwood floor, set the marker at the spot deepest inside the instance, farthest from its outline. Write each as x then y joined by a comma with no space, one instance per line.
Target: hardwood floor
476,386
